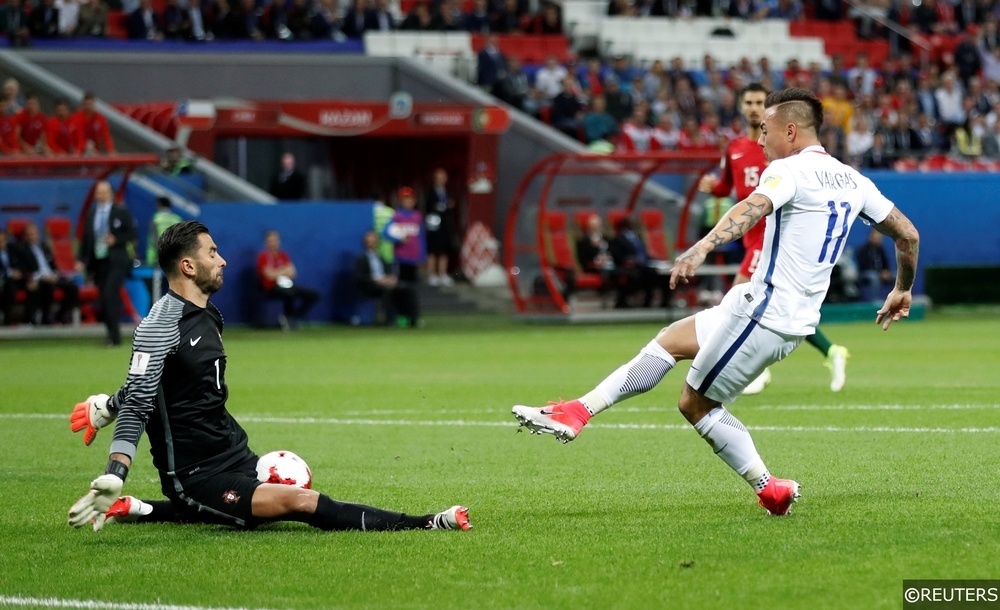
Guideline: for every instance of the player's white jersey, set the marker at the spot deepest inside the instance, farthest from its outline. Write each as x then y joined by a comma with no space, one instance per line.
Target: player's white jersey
816,200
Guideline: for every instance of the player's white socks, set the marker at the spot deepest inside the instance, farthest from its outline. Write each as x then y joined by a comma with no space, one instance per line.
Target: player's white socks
639,375
731,442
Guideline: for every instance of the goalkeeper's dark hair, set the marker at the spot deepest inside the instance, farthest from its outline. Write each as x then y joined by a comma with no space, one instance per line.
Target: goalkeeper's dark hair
797,106
176,242
753,88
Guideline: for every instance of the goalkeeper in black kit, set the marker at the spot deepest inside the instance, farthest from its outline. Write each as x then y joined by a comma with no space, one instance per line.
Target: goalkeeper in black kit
176,392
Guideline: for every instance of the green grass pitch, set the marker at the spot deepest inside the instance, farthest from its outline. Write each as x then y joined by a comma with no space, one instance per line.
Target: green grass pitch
899,475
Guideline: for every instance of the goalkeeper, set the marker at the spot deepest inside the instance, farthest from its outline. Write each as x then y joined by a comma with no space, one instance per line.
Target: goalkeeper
176,393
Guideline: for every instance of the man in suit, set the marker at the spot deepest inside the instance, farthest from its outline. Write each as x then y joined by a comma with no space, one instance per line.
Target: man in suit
377,279
289,184
11,276
41,280
104,255
491,67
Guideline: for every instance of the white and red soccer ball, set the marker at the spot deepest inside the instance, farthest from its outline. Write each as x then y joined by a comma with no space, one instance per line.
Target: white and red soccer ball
284,468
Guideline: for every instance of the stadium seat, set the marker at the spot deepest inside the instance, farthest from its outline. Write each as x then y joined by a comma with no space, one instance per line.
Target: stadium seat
15,227
615,217
59,227
656,239
581,217
563,258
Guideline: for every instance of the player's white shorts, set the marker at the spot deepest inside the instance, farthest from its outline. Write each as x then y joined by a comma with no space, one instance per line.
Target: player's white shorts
733,349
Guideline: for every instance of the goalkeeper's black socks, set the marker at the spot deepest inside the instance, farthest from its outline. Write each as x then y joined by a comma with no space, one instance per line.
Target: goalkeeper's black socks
333,515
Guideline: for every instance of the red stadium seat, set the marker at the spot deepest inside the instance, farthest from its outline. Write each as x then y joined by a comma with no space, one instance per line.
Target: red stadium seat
59,227
656,239
562,257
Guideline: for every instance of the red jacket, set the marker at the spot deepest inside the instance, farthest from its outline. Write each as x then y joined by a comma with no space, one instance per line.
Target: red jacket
267,260
93,128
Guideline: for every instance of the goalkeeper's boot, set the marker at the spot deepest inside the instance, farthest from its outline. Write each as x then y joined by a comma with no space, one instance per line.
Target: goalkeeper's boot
836,361
778,496
564,420
125,508
455,518
757,385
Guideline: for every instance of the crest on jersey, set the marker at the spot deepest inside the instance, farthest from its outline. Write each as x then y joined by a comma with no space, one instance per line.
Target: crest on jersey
231,497
771,182
140,360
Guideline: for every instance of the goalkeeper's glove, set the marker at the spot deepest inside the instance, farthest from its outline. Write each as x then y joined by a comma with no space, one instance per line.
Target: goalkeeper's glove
92,508
91,415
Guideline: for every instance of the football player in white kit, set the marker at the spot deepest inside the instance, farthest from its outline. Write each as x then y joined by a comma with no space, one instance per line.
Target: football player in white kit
811,201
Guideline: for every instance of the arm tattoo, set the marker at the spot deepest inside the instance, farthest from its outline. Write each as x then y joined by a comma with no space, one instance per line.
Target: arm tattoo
907,240
738,221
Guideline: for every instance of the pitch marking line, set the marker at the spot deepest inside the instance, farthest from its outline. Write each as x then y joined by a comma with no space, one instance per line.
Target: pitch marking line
505,424
91,604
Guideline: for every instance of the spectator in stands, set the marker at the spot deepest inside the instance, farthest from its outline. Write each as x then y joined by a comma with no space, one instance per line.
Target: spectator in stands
277,275
379,19
977,100
991,142
967,59
289,184
687,100
666,135
548,21
837,104
858,142
747,10
173,20
491,66
873,268
31,125
593,254
408,233
144,23
10,143
516,90
619,103
441,228
377,278
989,35
990,59
928,138
355,22
14,23
597,123
970,13
478,20
62,134
12,91
43,22
93,18
447,18
108,229
635,132
949,102
862,74
419,18
274,22
877,156
11,276
41,281
163,219
175,162
968,137
549,78
508,20
789,10
69,17
95,136
567,110
325,22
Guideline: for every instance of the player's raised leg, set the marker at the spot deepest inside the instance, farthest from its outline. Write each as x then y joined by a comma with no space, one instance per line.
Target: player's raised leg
565,419
836,358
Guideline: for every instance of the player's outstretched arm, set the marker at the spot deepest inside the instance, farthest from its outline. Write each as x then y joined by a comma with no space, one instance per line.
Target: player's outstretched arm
104,490
897,305
731,227
91,415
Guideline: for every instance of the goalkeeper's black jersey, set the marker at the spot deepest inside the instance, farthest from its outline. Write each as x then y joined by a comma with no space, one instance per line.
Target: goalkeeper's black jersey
176,391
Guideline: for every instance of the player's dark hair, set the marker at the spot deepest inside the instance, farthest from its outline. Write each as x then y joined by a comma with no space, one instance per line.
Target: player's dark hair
802,106
753,88
176,242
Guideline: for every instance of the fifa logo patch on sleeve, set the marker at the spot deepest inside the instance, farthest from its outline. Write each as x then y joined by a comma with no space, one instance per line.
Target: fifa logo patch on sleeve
771,182
140,360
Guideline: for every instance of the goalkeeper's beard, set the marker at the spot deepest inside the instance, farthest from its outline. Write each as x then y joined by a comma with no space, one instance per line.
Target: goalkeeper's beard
205,280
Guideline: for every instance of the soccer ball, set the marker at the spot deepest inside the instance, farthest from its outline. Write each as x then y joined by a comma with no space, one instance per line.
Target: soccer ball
284,468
